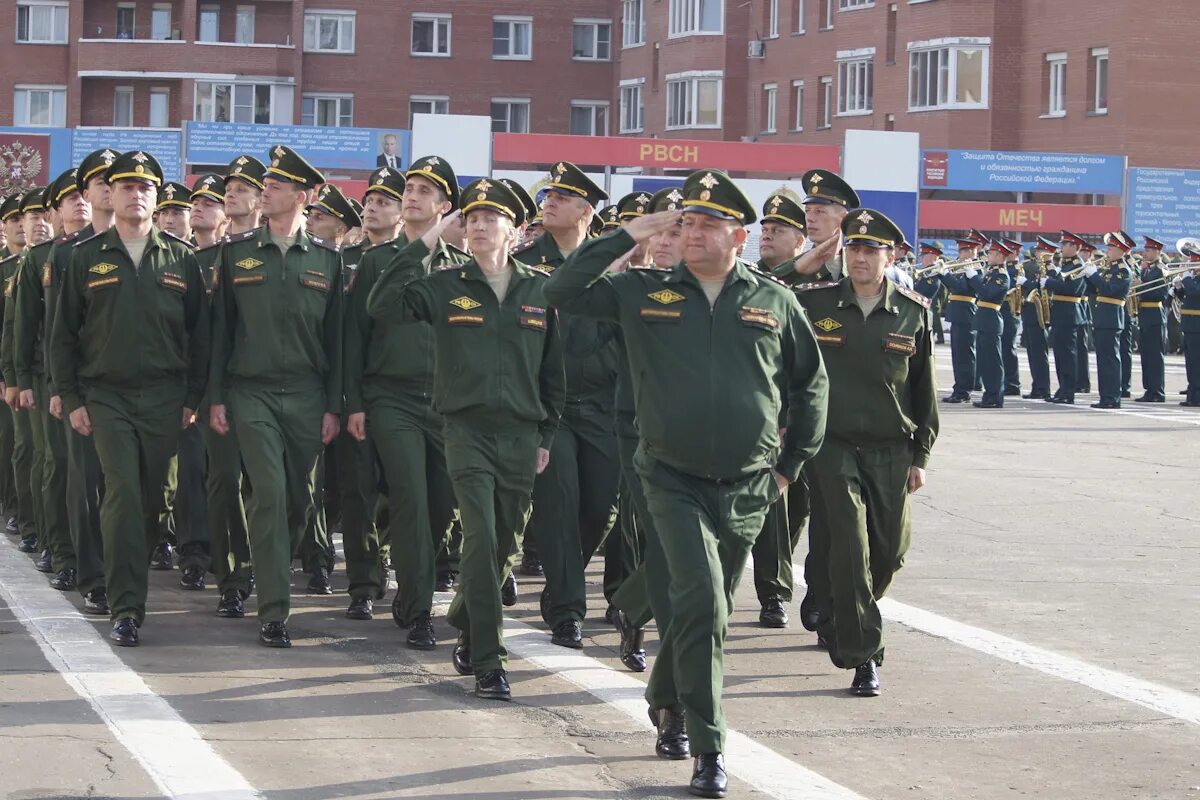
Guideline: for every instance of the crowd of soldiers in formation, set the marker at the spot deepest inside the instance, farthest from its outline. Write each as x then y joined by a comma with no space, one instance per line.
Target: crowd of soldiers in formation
470,383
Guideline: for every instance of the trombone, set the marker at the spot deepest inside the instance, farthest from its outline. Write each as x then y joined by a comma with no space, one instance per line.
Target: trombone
952,266
1167,276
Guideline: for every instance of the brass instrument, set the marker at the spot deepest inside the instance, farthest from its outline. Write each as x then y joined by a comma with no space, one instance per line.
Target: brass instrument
1168,274
1040,297
953,266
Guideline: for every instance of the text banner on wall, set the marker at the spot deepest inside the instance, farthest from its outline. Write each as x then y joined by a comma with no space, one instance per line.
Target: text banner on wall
164,145
1020,217
1163,203
999,171
323,147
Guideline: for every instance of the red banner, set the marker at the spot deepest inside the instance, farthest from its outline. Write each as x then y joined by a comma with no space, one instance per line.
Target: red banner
621,151
1026,217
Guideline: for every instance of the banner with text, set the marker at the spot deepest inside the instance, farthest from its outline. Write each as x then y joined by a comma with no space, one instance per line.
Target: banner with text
998,171
1018,217
1163,203
323,147
164,145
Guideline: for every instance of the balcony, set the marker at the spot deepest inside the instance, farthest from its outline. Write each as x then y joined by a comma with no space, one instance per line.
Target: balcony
175,58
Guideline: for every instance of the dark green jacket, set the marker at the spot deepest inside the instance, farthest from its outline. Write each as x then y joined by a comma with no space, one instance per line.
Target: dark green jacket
496,362
277,323
711,384
8,273
60,261
123,328
882,382
28,349
384,354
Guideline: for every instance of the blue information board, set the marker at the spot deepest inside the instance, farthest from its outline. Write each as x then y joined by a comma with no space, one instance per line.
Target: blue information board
900,207
164,145
999,171
1163,203
324,148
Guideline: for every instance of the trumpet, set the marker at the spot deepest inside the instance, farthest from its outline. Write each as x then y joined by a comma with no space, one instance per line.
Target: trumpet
1168,274
952,266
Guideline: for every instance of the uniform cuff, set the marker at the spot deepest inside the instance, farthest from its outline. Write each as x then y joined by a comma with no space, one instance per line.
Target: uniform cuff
921,460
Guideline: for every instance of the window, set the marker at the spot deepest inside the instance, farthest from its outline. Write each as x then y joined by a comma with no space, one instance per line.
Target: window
850,5
160,21
694,100
42,23
770,105
512,37
855,85
688,17
1100,79
210,24
125,20
328,32
825,99
772,18
430,35
1056,65
797,105
40,106
123,107
953,76
244,33
422,104
589,118
233,102
160,108
798,16
591,40
826,14
510,115
633,24
631,106
327,110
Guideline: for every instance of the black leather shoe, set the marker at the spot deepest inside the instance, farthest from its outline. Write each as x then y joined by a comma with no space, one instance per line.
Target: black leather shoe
192,579
708,776
672,741
1150,398
610,615
568,634
461,657
1186,404
956,398
319,582
96,602
508,590
161,557
1084,389
445,581
544,604
866,680
982,404
274,634
63,580
1012,391
124,633
810,617
10,527
420,636
397,612
531,565
28,544
1126,395
231,605
1035,396
493,686
361,608
43,563
633,654
772,614
1063,401
1106,405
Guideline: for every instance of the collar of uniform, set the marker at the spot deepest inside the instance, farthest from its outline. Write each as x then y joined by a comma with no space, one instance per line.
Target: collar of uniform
473,271
888,303
112,240
742,270
262,235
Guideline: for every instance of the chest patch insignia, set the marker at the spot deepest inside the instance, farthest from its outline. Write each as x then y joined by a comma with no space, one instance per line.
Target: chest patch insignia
666,296
465,303
102,269
248,263
828,324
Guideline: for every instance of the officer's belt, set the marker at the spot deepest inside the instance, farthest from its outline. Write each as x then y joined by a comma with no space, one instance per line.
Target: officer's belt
1150,304
1112,301
989,306
965,298
1067,299
1190,312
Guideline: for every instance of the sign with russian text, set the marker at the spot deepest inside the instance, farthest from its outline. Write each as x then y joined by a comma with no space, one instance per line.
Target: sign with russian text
1163,203
999,171
164,145
1018,217
323,147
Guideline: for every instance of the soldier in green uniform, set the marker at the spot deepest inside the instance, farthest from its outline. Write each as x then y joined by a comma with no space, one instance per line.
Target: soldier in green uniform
736,344
31,335
390,382
129,352
575,499
277,364
174,210
14,243
876,339
499,384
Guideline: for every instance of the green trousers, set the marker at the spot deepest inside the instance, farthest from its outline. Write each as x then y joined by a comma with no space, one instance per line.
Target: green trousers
135,433
85,494
56,529
357,487
817,594
706,530
492,474
633,596
229,538
279,434
8,482
314,550
407,434
620,559
864,496
773,549
26,464
575,505
191,501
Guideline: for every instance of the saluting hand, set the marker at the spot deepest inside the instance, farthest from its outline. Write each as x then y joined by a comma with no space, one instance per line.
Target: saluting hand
644,227
81,421
811,262
330,425
356,426
431,237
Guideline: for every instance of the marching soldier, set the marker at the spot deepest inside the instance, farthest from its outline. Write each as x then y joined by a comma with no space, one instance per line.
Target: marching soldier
1111,282
711,468
929,283
960,313
991,289
14,242
783,233
1037,348
1152,319
129,353
1083,333
277,365
1008,342
174,210
1187,288
1066,315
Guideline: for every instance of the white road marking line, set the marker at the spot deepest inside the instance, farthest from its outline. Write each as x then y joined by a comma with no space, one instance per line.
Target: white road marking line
172,752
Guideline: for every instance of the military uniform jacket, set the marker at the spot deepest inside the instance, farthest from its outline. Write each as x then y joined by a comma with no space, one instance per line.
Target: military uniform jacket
1066,312
496,362
207,257
710,384
960,310
928,285
1111,282
8,273
1190,312
1150,315
992,288
122,328
882,378
60,262
394,356
277,320
28,347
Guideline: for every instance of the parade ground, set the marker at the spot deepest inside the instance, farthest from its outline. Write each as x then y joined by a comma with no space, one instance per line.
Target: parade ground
1041,643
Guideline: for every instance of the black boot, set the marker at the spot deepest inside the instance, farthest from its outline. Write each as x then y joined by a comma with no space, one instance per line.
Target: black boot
461,657
672,741
274,634
508,590
773,614
319,582
192,578
64,580
43,562
708,776
161,557
96,602
361,608
420,636
231,605
28,544
568,634
493,686
633,654
866,680
445,580
124,632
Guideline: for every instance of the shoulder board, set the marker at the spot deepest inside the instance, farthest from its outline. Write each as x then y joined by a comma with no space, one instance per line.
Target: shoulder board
916,297
241,237
447,266
648,268
40,246
537,271
328,245
392,243
67,237
457,251
177,239
766,276
526,248
808,287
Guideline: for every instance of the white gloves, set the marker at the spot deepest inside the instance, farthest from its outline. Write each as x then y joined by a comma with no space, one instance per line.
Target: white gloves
1042,283
1021,280
971,273
1090,270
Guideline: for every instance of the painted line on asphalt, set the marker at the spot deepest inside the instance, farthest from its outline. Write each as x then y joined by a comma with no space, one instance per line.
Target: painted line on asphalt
173,753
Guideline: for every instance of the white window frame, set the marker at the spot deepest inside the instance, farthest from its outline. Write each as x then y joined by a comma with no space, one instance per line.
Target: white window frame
855,5
684,18
773,19
632,87
829,11
154,11
208,8
58,97
132,8
801,9
854,69
770,107
233,99
825,122
438,20
798,103
118,92
692,80
433,100
593,105
633,18
342,17
947,81
595,25
1100,56
55,8
512,21
237,24
1056,101
164,92
512,101
326,97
